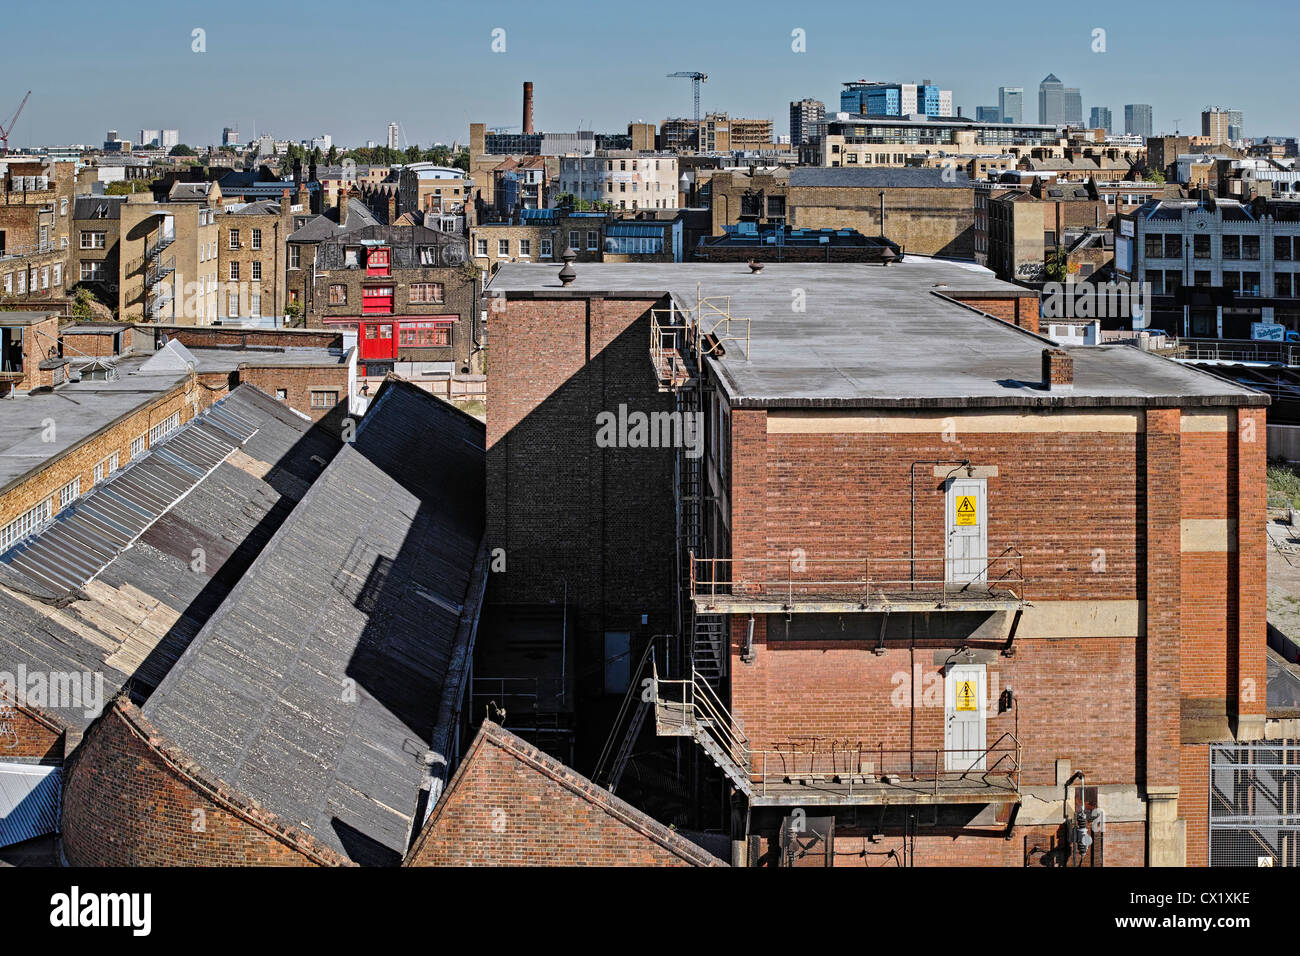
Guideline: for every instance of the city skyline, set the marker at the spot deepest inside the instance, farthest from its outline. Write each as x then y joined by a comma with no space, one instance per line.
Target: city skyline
243,78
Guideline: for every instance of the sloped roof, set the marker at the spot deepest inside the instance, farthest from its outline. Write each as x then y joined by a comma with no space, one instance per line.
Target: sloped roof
139,614
315,689
493,735
326,226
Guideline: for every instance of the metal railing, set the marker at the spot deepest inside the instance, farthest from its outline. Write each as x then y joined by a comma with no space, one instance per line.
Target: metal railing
1237,350
866,580
158,245
853,769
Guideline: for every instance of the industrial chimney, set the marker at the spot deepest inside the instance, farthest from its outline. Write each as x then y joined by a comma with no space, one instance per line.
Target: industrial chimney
528,107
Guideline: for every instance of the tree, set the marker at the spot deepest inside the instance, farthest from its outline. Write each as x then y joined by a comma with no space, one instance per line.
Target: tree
332,157
1154,176
180,149
81,300
413,153
1057,265
462,160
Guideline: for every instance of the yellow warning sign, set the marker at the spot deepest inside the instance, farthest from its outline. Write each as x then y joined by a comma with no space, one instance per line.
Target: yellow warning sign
966,511
967,695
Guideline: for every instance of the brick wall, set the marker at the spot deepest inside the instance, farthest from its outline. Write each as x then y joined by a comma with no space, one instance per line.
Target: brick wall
305,388
130,799
1112,507
511,805
80,461
562,508
34,735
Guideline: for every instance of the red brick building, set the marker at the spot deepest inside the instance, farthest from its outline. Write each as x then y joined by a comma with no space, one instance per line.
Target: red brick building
951,585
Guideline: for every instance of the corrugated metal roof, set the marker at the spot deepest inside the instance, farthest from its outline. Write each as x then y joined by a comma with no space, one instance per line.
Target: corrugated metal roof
85,537
29,801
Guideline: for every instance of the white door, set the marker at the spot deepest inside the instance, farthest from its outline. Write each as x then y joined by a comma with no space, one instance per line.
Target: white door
965,707
966,551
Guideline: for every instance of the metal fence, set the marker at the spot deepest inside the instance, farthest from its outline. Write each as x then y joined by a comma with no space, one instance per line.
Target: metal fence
1255,804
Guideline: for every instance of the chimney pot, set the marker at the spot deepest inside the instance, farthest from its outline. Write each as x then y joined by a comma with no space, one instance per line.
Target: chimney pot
528,107
1058,370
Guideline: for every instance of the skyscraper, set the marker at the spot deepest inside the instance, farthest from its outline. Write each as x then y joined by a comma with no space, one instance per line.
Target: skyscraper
1073,100
1137,119
392,135
1051,101
807,121
169,138
1099,118
988,114
1214,124
1235,126
1011,103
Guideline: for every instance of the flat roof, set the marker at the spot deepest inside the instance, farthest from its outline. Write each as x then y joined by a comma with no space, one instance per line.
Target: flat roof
11,319
874,336
80,410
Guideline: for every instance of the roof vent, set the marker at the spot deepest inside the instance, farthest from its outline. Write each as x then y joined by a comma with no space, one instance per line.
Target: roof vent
568,274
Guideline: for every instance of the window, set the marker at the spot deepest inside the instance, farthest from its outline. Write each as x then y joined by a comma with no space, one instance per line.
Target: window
1201,248
525,247
58,273
91,271
324,399
22,281
234,238
233,305
428,334
257,238
254,303
1155,246
593,241
480,247
63,207
575,240
295,257
164,428
1249,247
338,295
1281,247
503,247
426,292
25,524
93,240
69,492
45,277
282,394
545,248
256,273
234,272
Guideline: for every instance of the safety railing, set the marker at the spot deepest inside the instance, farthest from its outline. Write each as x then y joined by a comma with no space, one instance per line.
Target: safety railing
855,769
866,580
690,707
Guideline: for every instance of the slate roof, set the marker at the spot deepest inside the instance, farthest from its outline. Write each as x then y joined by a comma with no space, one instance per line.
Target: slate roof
136,618
86,207
326,226
878,177
316,687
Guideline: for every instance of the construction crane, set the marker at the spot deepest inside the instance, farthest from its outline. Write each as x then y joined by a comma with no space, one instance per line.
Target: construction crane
8,128
696,79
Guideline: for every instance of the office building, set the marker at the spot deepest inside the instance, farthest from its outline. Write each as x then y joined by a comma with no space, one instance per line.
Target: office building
1137,119
1011,104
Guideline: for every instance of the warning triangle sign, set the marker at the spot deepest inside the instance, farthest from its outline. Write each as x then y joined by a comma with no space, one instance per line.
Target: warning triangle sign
966,513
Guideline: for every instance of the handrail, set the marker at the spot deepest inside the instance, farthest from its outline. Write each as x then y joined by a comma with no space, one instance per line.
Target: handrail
865,578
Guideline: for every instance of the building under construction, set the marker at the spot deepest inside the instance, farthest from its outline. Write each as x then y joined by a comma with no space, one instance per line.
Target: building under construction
855,567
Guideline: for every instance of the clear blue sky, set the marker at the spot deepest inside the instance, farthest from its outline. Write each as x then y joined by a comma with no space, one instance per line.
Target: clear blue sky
349,68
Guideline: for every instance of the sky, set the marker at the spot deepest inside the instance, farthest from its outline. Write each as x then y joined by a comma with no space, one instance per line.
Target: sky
298,70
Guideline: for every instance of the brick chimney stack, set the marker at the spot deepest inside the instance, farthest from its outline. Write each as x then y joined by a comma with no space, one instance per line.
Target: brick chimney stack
1058,370
528,107
344,194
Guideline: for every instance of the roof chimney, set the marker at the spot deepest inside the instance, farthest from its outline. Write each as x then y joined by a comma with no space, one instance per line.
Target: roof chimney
344,195
528,106
1058,370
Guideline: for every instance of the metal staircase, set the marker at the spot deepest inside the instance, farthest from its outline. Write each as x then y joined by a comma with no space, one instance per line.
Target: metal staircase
627,726
691,708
